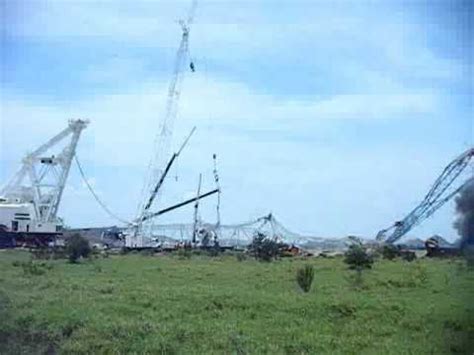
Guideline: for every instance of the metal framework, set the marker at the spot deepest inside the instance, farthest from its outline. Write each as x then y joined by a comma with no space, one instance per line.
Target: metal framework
216,180
165,132
41,179
436,197
231,234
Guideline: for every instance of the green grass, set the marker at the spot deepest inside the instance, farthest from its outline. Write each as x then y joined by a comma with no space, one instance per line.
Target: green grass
168,304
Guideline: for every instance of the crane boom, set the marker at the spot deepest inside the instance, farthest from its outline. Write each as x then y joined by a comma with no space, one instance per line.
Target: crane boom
436,197
165,173
181,204
34,193
165,130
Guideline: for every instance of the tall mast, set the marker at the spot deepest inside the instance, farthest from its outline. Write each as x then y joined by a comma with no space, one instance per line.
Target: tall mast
165,131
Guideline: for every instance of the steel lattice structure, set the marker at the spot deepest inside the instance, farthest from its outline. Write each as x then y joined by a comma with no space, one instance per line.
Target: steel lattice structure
165,132
40,181
230,234
437,196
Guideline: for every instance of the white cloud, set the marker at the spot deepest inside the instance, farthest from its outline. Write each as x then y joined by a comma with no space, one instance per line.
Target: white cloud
123,126
233,31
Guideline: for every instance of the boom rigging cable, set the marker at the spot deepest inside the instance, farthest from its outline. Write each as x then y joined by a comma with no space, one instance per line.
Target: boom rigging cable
94,194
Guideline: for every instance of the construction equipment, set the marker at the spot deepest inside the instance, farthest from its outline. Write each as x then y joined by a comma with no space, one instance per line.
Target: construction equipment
234,234
158,185
436,197
29,202
163,139
216,180
436,248
135,236
136,240
196,210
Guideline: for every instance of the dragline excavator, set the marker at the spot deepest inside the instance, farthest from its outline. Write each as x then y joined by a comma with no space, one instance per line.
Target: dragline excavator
446,186
29,202
140,233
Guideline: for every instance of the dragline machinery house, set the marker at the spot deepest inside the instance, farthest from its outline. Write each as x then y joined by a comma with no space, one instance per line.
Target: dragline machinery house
29,202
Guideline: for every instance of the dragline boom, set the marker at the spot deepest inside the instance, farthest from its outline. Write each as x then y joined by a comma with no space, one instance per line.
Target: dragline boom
436,197
30,201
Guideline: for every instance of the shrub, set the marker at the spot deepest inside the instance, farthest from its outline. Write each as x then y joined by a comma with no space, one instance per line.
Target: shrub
408,255
390,251
358,258
304,277
77,247
264,248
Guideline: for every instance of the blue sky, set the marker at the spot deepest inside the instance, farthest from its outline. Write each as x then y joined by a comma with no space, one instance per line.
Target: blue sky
337,116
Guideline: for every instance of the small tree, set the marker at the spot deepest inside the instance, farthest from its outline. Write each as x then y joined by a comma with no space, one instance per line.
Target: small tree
77,247
304,277
358,259
263,248
408,255
390,251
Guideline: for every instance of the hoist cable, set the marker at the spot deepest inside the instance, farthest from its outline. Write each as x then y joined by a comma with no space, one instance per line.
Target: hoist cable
94,194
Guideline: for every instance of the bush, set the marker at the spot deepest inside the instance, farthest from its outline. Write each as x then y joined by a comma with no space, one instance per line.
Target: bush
77,247
304,277
408,255
264,248
358,258
390,251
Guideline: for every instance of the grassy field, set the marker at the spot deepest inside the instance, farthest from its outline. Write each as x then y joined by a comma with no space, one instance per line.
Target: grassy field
168,304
